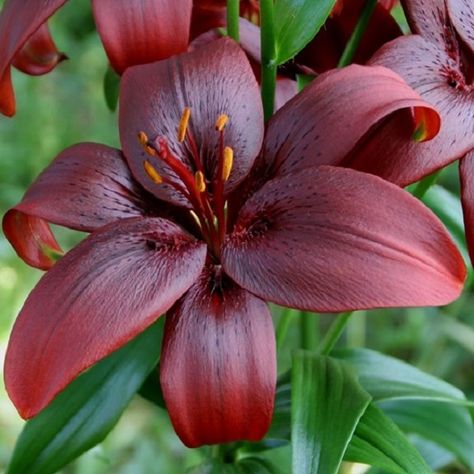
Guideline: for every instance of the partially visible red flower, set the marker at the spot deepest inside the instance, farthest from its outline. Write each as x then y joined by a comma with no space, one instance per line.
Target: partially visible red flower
180,224
438,62
132,31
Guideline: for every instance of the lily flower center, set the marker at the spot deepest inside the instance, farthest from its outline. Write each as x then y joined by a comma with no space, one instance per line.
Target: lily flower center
460,73
205,193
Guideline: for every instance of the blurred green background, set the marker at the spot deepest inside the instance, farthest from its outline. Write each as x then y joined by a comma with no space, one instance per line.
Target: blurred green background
66,107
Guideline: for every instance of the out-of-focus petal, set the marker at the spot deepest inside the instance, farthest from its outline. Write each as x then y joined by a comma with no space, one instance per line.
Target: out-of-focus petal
334,239
461,13
466,172
207,16
19,20
142,31
94,300
324,123
87,186
325,50
437,78
39,54
218,363
213,80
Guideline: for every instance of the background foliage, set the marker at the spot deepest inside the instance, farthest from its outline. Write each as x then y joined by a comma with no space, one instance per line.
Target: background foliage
68,106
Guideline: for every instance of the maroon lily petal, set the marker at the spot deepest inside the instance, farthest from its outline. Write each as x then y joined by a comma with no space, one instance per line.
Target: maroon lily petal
461,13
437,77
19,20
427,18
7,96
334,239
218,363
32,239
323,123
39,54
87,186
142,31
466,173
212,80
207,16
94,300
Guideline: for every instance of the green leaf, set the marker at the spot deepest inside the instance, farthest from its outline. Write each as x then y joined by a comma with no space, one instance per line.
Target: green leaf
327,403
387,378
303,80
248,465
213,467
436,456
447,207
84,413
296,24
255,465
280,427
448,425
377,441
151,389
111,88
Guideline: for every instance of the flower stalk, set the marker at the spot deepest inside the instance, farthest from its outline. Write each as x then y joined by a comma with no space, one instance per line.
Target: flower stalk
356,37
268,60
233,19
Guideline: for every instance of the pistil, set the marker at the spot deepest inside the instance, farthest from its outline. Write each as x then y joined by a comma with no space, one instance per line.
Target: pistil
206,195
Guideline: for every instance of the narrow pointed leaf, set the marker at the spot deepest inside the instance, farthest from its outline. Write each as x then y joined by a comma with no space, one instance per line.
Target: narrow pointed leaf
387,378
83,414
327,403
377,441
296,24
447,207
448,425
111,88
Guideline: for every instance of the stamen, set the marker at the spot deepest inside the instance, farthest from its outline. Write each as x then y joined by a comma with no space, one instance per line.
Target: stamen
152,173
228,162
183,124
143,138
221,122
199,181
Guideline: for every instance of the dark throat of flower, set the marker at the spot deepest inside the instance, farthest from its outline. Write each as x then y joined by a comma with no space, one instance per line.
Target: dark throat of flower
204,193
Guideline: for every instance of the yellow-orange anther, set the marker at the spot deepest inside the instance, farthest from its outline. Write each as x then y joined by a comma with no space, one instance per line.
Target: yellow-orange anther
221,122
142,138
152,173
183,124
228,162
199,181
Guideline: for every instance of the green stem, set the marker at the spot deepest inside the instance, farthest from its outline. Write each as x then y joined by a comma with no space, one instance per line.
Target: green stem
217,452
356,330
334,333
233,19
356,37
309,329
283,325
268,59
425,184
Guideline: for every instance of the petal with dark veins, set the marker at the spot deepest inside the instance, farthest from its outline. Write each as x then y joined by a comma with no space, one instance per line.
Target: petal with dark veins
332,239
213,80
99,296
218,363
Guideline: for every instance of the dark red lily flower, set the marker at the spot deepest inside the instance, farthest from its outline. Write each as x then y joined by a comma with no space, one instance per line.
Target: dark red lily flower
438,62
132,31
318,238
